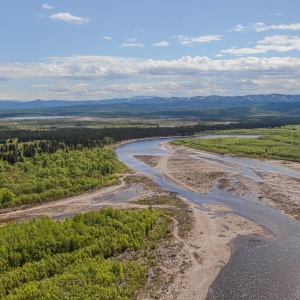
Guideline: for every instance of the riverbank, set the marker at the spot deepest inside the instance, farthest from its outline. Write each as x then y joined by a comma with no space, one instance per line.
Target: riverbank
188,266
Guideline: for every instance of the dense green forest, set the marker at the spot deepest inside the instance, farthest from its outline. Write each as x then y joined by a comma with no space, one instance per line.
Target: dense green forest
77,258
278,143
96,136
50,176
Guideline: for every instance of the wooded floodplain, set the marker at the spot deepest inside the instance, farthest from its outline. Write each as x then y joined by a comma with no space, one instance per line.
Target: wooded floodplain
44,165
103,254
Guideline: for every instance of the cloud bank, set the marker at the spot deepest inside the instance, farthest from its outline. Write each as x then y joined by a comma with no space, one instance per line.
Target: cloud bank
103,77
262,27
278,43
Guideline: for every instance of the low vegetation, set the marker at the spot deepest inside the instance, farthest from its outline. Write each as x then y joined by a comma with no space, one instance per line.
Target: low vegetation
278,143
175,207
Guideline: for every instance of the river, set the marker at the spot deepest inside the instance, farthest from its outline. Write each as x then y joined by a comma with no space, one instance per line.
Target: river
258,269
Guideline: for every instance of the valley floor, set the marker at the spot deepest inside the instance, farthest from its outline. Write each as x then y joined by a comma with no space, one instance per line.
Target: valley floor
185,266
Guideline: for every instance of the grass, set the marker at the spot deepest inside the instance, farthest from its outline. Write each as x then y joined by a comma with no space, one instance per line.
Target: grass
276,143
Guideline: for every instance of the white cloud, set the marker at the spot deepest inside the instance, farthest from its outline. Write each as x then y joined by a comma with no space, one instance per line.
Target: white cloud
98,67
262,27
47,6
276,14
132,45
161,44
67,17
279,43
239,28
107,38
191,41
101,77
131,42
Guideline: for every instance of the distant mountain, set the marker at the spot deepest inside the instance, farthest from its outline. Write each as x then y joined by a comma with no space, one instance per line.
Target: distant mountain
197,101
208,108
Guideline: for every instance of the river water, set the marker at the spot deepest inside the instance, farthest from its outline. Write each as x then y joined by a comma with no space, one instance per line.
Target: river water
257,269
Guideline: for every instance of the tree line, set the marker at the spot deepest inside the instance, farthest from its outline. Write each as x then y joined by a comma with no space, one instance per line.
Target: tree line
16,144
90,137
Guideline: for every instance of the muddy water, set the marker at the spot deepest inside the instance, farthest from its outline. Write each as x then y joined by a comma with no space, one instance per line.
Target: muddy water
258,269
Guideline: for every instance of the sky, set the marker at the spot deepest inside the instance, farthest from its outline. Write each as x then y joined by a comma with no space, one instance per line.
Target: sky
104,49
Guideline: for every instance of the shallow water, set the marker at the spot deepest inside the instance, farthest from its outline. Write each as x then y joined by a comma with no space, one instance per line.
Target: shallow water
261,270
121,196
257,270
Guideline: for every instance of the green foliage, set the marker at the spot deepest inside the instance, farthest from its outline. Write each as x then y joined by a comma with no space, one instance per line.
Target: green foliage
50,176
283,143
6,196
72,259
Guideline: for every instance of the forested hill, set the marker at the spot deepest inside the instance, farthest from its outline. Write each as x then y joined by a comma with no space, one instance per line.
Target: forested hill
215,108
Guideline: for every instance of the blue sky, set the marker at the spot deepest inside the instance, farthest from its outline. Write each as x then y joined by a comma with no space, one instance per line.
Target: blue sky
100,49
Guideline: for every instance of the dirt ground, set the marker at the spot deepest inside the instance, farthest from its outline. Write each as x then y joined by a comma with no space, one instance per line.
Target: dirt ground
186,266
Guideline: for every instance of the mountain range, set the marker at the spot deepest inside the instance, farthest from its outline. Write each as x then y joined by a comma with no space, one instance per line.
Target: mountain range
205,108
197,101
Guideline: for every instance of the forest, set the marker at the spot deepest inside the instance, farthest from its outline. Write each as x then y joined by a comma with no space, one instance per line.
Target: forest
277,143
45,177
78,258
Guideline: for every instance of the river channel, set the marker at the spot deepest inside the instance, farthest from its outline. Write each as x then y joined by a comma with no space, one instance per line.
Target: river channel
258,269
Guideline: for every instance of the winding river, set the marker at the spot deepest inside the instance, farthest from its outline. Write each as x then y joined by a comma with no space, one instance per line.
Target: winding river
258,269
